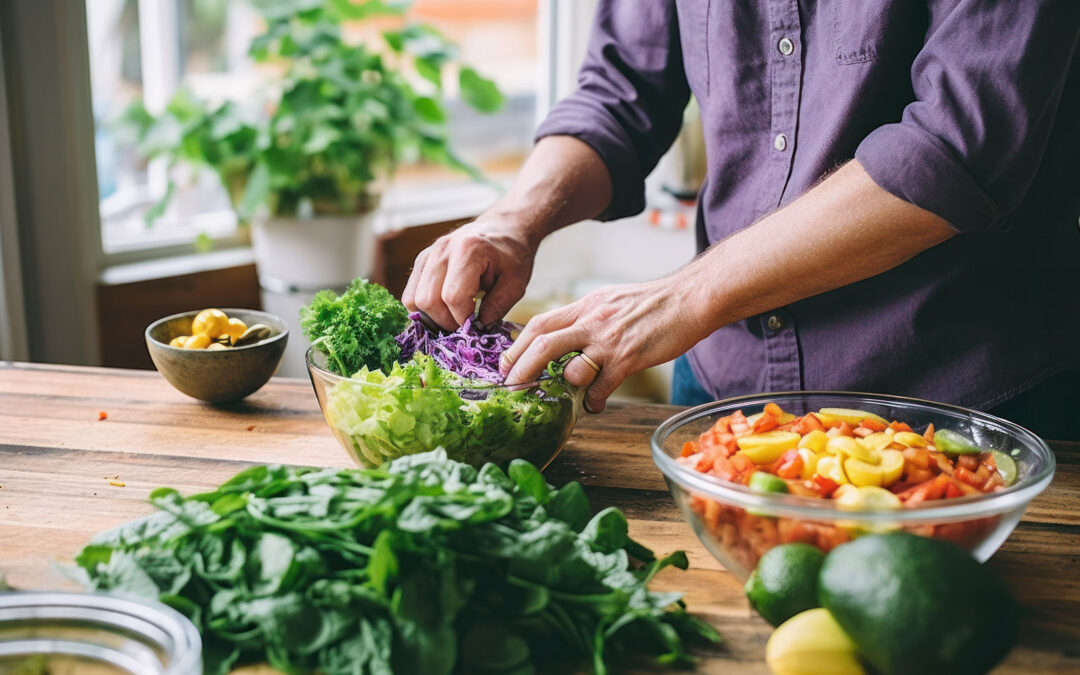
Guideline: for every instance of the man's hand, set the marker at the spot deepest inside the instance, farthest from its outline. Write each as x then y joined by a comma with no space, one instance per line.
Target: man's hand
490,254
815,244
563,182
623,329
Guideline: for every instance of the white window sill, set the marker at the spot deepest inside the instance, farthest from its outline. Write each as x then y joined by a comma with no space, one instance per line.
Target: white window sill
171,254
175,266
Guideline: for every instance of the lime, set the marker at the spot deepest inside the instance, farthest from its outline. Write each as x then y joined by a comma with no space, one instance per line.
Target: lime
785,582
1006,466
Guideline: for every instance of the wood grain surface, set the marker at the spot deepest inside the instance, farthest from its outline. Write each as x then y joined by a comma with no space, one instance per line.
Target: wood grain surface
57,457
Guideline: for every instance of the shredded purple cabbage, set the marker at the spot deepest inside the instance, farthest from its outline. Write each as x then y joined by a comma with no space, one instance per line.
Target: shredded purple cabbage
466,352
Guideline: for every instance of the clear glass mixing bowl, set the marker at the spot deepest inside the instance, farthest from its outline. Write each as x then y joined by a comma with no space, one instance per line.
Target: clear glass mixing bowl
376,422
94,634
737,525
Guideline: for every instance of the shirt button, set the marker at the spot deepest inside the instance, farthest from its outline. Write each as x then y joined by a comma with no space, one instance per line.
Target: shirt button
786,46
775,323
780,142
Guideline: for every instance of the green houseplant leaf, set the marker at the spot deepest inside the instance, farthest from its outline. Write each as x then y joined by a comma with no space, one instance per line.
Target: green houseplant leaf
342,116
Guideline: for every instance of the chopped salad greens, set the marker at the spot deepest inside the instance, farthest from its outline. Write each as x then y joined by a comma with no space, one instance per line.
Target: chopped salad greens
355,329
419,406
414,391
423,566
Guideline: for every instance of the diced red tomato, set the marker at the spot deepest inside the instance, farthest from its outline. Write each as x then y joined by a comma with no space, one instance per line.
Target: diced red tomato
789,465
743,464
931,489
773,409
689,448
964,474
872,425
899,426
919,475
766,422
969,462
712,513
723,425
739,426
825,486
952,492
940,463
807,423
916,457
722,443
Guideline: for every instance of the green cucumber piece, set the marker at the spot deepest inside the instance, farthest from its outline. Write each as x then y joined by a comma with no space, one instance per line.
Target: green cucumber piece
762,481
952,443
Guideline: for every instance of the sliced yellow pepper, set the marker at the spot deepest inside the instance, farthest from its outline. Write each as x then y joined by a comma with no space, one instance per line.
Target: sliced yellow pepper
767,447
843,445
815,440
910,439
832,467
849,415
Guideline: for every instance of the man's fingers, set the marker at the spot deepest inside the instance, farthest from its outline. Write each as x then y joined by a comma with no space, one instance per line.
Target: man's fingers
498,301
429,294
461,286
540,324
597,394
408,296
541,350
579,373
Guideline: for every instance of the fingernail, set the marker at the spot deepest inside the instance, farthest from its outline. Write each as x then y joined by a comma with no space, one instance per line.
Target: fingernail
504,364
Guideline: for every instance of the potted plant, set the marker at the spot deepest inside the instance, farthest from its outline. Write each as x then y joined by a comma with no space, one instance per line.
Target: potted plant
306,166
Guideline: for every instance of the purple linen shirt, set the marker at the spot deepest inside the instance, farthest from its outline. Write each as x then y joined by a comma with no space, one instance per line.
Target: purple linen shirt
967,108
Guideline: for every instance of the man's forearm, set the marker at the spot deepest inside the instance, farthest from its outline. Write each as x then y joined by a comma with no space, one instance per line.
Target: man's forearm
563,182
844,230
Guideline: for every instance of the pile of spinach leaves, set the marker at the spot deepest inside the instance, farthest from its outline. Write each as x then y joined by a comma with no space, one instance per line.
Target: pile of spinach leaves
422,566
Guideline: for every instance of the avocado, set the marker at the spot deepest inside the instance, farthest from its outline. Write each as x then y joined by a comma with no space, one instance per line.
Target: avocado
918,606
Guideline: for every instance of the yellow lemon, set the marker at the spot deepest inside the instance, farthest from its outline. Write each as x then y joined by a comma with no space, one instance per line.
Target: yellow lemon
211,322
199,341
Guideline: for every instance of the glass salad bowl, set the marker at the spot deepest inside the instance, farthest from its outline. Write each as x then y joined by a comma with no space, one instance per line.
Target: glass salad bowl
94,634
379,417
737,524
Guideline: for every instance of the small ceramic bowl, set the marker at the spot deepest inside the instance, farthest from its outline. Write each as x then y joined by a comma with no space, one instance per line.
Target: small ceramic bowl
217,376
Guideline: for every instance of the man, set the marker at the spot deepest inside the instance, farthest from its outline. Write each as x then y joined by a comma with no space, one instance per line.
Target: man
891,204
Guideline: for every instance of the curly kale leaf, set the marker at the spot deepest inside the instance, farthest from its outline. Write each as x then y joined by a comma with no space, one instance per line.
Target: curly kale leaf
357,328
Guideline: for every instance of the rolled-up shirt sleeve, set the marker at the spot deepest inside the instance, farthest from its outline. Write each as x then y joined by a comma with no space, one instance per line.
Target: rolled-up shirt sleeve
987,84
630,97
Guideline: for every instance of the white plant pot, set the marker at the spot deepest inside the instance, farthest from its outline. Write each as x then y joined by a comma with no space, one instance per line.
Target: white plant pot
294,254
297,257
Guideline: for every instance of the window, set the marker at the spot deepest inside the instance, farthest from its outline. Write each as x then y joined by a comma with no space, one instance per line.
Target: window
151,48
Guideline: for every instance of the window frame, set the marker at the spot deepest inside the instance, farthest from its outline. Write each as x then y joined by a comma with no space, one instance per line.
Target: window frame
561,43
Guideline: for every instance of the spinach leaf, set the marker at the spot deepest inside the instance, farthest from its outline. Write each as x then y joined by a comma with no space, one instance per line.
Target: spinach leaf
422,566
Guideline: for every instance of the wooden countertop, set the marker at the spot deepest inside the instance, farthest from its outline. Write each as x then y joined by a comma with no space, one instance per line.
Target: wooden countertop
55,457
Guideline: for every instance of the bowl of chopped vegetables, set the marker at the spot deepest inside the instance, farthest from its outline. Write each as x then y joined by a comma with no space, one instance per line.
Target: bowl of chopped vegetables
389,387
823,468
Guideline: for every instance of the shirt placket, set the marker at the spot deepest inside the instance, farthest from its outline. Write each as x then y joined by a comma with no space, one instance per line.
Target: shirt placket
785,51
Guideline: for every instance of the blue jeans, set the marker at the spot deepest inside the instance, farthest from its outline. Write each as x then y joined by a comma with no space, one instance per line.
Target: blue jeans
685,389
